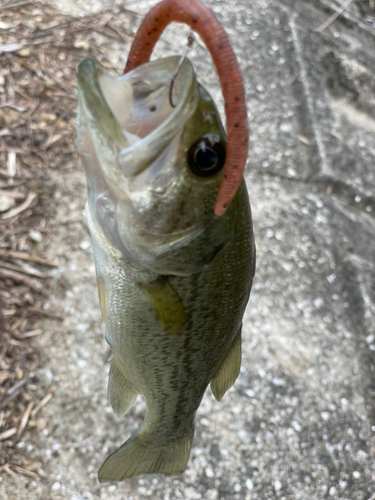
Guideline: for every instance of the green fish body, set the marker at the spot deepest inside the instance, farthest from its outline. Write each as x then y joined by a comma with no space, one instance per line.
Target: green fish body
173,278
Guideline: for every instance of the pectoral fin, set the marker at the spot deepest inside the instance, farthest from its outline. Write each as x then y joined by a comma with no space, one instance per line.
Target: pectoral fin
229,370
121,393
167,304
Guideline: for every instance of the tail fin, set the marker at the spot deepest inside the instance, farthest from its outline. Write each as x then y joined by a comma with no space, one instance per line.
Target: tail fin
141,455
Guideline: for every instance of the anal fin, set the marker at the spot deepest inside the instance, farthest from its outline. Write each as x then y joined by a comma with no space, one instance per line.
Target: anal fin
121,393
229,369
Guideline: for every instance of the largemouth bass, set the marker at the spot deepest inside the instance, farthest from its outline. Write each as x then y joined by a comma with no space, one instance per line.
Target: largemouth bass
173,278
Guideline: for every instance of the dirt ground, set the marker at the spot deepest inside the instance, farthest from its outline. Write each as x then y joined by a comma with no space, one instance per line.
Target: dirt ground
300,421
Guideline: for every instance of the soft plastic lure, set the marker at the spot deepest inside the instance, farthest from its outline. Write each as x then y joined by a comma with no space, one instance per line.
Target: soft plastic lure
202,20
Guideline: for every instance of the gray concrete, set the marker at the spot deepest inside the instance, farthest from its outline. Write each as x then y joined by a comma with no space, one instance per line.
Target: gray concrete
300,421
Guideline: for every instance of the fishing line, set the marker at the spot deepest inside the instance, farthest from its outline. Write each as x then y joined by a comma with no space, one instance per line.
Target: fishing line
190,43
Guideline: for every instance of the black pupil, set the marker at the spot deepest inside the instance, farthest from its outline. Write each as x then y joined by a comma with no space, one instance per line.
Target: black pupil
205,157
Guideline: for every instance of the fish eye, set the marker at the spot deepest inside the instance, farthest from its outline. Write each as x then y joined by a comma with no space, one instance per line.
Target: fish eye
206,158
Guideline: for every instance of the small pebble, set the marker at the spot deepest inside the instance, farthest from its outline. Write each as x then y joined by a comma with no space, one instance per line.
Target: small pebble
209,472
47,117
318,302
24,52
56,486
81,44
6,202
331,278
277,485
249,484
84,245
296,426
36,236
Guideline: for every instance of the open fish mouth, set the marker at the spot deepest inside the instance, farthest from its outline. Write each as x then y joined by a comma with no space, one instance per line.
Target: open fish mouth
134,111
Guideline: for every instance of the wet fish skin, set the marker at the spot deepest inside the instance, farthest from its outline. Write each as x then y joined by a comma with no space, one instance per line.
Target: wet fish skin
173,286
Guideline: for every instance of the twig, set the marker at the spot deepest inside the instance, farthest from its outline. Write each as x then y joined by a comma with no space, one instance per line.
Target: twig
25,471
13,194
116,30
8,433
330,20
26,256
5,402
16,343
8,5
51,134
24,269
41,41
44,312
22,229
5,185
22,278
11,47
12,164
21,208
31,333
43,402
24,420
15,387
9,471
8,312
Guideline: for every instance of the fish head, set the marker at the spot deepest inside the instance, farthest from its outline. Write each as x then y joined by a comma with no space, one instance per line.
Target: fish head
153,154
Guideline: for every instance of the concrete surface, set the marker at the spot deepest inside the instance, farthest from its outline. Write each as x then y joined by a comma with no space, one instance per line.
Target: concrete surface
300,421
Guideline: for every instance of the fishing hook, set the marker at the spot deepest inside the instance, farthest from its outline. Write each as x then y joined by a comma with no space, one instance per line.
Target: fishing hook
190,42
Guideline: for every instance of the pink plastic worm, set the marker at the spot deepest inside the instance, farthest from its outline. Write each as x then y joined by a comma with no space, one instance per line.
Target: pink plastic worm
202,20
